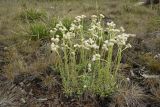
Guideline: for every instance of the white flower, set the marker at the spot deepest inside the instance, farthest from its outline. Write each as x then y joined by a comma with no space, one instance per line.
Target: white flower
83,16
73,27
111,24
110,43
106,41
94,16
157,56
51,31
128,79
112,40
85,86
113,30
128,45
96,57
95,35
77,46
79,27
77,18
54,47
91,41
59,24
55,29
89,67
73,53
55,40
122,29
102,16
57,36
95,46
132,35
105,47
69,35
85,47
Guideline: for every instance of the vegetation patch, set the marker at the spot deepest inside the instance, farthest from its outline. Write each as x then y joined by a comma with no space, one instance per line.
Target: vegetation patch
38,31
84,56
32,15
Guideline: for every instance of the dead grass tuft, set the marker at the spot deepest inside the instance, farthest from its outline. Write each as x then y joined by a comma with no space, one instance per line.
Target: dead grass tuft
128,96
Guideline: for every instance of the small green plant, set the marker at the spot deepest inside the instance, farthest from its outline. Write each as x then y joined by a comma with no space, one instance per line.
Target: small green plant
31,15
67,22
38,31
84,57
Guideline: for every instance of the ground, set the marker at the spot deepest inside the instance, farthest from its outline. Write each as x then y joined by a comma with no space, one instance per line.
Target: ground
27,77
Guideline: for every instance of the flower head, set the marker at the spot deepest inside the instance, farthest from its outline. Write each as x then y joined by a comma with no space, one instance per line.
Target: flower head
55,40
111,24
96,57
101,15
54,47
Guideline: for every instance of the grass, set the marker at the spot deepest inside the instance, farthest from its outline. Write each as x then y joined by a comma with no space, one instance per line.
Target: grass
31,15
129,95
9,94
151,62
38,31
33,55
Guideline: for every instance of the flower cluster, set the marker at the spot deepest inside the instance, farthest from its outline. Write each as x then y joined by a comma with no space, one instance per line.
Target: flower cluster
89,67
55,41
96,57
90,43
79,18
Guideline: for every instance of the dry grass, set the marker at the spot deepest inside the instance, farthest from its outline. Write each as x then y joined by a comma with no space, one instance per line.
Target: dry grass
25,56
128,96
10,95
149,60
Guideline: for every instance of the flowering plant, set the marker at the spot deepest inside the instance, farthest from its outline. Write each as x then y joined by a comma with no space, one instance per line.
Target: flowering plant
84,57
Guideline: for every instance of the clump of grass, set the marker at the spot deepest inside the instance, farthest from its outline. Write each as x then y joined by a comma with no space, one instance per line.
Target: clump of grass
52,23
128,95
32,15
67,22
38,31
153,24
49,81
152,63
84,56
16,64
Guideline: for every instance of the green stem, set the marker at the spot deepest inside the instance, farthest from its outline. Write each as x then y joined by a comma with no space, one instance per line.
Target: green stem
119,56
109,62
